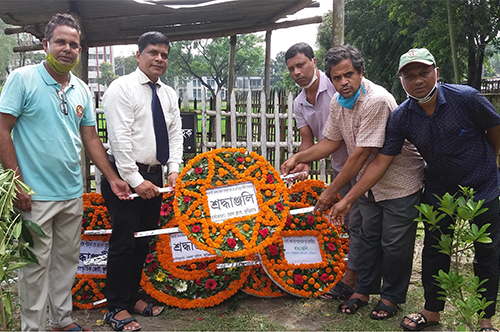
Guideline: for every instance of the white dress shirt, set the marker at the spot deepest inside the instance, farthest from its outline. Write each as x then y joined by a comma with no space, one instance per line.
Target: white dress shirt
129,121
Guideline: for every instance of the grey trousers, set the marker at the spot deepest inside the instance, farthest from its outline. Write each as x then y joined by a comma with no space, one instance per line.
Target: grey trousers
353,222
50,281
386,246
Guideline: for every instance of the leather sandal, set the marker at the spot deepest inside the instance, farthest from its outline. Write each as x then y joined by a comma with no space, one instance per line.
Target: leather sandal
118,325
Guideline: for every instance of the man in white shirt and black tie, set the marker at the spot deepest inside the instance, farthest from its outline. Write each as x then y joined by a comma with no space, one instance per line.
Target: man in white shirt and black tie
144,131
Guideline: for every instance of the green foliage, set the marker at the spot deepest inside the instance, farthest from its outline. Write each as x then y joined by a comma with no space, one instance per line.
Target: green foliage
210,57
14,253
463,293
125,65
6,53
380,40
106,74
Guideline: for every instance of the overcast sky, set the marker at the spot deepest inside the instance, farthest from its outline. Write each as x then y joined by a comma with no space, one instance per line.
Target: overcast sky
281,39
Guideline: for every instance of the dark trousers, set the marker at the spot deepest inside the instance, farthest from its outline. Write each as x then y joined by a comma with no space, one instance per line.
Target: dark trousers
386,246
485,259
127,254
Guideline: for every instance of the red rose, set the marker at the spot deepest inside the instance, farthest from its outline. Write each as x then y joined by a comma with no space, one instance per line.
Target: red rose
270,178
149,258
197,282
310,220
324,278
264,232
231,242
226,277
294,199
84,220
187,199
279,207
195,229
202,265
198,170
330,247
85,296
240,159
168,287
297,279
154,265
273,250
171,277
210,284
150,269
219,272
288,221
153,247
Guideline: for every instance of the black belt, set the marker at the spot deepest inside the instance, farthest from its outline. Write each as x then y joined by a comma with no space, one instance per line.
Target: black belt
149,168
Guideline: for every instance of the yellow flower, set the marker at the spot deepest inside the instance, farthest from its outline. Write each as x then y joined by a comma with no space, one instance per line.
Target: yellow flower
160,276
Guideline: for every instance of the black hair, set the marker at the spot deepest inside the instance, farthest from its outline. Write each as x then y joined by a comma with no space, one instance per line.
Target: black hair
299,48
152,38
346,52
60,19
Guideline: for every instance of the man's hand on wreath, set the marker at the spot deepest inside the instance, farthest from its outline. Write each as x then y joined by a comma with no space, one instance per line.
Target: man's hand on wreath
326,200
172,178
338,213
121,189
147,190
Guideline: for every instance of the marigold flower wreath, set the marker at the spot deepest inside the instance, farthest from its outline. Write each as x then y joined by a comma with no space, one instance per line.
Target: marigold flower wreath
87,289
238,236
260,285
95,216
308,192
308,279
188,284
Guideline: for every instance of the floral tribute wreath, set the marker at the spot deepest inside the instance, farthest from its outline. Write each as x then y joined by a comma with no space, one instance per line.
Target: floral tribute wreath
260,285
238,236
87,289
95,217
308,279
187,284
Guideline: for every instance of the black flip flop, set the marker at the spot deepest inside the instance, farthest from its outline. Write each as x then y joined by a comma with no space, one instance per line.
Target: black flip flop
419,320
381,306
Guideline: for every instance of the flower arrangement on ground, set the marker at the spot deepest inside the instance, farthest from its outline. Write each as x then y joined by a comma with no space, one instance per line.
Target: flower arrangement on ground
87,289
306,278
95,217
188,283
245,231
260,285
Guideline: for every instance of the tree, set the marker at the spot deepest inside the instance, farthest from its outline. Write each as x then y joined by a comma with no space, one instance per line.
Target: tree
125,65
278,68
477,24
106,75
381,42
6,53
210,57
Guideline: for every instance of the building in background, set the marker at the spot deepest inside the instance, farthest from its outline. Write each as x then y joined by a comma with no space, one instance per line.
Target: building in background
194,88
98,55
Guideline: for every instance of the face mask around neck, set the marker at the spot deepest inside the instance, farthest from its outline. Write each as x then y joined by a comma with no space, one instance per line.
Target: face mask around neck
349,102
428,97
58,67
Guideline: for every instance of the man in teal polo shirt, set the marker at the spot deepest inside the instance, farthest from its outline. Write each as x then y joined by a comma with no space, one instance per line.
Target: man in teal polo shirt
49,112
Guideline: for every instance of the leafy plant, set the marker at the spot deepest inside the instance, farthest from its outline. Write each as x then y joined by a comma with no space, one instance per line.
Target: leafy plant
461,291
14,253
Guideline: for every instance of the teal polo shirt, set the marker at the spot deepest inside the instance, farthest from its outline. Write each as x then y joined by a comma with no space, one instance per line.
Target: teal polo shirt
47,141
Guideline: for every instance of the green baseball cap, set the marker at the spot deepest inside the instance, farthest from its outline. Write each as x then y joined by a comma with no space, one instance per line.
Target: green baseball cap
421,55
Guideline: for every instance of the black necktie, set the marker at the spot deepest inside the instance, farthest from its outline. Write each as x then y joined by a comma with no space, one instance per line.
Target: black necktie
161,132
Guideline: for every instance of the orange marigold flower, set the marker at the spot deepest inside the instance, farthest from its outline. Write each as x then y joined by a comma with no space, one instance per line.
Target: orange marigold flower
311,281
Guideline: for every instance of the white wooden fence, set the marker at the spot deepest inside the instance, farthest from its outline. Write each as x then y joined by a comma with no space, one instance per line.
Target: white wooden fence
264,144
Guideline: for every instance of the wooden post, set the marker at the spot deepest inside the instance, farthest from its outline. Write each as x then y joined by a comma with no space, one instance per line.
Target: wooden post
230,81
267,65
290,125
263,125
338,23
234,131
277,138
218,121
249,122
204,139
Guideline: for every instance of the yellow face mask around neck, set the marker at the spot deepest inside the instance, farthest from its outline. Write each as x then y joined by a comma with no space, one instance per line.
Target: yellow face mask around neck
58,67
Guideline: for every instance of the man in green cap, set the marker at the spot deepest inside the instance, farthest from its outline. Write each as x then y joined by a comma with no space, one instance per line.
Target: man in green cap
457,132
